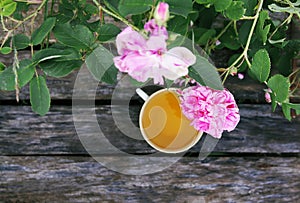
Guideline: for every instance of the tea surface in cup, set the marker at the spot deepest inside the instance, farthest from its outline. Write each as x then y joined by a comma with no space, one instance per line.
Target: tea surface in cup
163,124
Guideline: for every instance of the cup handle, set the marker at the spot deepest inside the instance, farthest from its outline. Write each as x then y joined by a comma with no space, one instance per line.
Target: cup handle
142,94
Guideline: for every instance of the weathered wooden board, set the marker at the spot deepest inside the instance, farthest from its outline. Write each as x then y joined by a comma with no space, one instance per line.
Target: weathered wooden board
24,132
245,91
81,179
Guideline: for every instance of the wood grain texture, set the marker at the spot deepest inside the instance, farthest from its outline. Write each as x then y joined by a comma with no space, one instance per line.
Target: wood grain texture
23,132
245,91
81,179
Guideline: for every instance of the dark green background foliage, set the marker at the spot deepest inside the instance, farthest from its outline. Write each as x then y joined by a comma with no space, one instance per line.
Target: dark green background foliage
261,45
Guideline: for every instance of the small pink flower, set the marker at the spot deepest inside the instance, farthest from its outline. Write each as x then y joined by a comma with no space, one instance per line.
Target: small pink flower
143,59
241,76
161,13
268,95
210,111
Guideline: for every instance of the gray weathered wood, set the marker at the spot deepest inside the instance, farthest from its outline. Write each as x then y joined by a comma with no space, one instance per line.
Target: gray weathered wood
245,90
24,132
62,89
81,179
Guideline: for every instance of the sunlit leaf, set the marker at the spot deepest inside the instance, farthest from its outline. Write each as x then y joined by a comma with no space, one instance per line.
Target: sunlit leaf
5,50
7,7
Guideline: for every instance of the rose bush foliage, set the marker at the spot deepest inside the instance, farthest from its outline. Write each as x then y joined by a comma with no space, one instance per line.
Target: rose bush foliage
73,29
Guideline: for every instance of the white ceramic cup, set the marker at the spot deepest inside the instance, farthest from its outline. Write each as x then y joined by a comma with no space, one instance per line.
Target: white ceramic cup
168,130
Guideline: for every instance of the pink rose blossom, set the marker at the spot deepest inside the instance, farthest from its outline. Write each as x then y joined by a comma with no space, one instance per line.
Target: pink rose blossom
161,13
143,59
211,111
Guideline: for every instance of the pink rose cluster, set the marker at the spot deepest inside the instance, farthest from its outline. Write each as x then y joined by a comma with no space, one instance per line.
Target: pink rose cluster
211,111
145,57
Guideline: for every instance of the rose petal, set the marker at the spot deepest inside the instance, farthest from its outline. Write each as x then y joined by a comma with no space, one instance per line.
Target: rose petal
184,54
130,40
157,43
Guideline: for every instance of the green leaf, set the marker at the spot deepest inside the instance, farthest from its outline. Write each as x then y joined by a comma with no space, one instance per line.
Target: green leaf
25,72
182,8
274,103
244,32
99,61
168,82
294,106
64,16
39,95
250,7
5,50
236,10
207,17
46,54
2,66
78,37
205,73
177,40
41,33
138,20
112,5
134,6
7,7
230,40
91,9
20,41
221,5
280,87
7,79
58,62
107,32
204,1
261,65
110,76
261,29
178,24
286,111
203,35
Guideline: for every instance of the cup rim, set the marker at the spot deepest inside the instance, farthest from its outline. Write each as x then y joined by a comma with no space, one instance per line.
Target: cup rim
185,148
